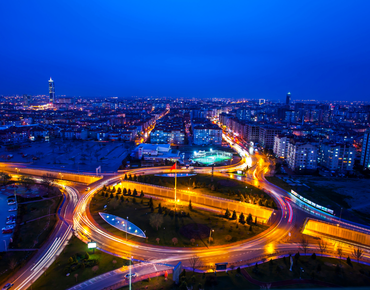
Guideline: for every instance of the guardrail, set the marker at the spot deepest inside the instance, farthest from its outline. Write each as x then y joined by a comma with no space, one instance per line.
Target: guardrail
337,231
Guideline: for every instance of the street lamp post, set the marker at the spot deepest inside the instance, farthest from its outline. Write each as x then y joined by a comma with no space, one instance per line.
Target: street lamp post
130,273
126,227
210,235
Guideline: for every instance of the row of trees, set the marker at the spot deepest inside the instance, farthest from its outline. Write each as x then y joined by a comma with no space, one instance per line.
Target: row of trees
242,218
357,253
113,192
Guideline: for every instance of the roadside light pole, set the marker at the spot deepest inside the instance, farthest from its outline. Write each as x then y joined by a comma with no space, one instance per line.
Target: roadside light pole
210,235
126,227
130,272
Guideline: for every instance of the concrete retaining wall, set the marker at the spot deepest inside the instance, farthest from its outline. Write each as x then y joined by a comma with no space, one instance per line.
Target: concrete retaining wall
324,229
87,179
262,213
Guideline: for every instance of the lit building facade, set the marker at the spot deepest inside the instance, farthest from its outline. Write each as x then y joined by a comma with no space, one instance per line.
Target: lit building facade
51,91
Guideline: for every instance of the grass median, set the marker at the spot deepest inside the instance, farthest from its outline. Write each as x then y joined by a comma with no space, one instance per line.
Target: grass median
56,277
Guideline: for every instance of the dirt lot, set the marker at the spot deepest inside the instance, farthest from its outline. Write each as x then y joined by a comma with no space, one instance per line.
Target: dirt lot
353,195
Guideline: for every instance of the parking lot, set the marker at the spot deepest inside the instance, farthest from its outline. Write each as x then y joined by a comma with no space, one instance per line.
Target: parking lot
79,156
5,238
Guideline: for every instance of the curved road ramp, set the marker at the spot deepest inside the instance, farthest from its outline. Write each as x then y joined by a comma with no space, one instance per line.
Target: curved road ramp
75,177
338,232
116,279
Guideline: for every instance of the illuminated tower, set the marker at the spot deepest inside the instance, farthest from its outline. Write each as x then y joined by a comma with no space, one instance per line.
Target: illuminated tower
288,98
51,91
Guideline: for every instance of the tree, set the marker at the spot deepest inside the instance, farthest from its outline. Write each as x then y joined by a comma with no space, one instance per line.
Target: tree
125,177
175,241
322,246
124,191
228,238
13,264
190,206
119,190
249,219
159,208
234,215
340,253
129,192
156,220
95,269
227,214
303,245
242,218
194,262
46,181
142,194
357,254
135,192
349,262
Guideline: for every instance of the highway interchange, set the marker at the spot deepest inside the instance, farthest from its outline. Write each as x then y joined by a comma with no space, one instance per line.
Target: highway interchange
74,216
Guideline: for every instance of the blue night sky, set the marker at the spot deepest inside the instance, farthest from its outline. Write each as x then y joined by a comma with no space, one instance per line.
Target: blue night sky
249,49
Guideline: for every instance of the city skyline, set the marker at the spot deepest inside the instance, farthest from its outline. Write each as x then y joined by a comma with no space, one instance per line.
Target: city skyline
244,50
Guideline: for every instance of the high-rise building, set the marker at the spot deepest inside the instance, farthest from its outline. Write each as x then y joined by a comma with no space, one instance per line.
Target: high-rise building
25,100
288,99
365,155
337,156
302,156
51,91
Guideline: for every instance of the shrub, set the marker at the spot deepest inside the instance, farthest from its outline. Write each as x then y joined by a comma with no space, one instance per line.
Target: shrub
238,270
227,214
242,218
228,238
313,256
349,262
296,256
234,215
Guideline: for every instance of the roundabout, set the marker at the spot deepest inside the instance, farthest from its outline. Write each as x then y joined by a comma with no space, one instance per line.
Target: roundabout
88,229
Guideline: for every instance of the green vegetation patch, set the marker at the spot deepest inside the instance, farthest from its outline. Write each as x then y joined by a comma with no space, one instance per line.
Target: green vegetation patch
165,227
80,262
328,270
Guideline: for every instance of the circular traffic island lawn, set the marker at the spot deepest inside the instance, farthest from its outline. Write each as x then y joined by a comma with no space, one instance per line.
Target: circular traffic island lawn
165,227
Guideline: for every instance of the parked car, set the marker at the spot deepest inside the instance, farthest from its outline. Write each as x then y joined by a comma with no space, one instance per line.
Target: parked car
133,275
11,201
7,231
7,286
8,227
